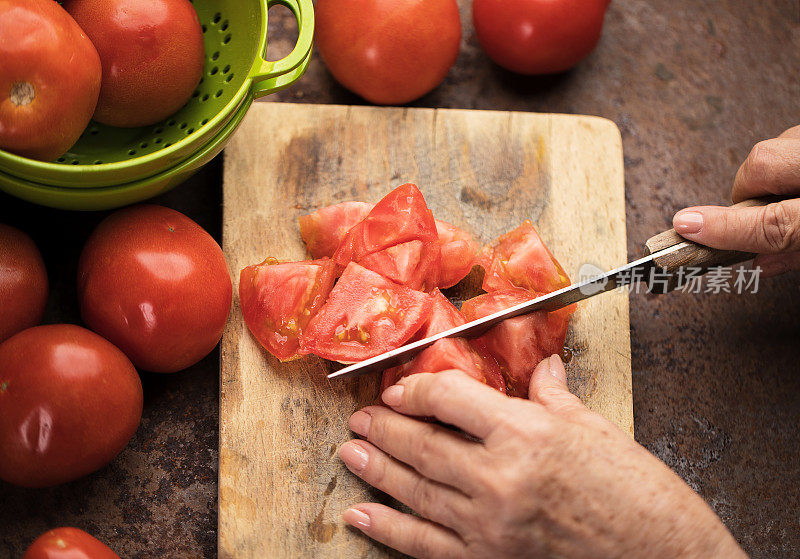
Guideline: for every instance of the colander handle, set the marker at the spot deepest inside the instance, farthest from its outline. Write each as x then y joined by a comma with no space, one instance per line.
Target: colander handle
270,76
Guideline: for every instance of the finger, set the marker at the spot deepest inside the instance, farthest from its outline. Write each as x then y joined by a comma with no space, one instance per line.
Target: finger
434,451
452,397
773,167
549,387
405,533
430,499
777,264
793,132
761,229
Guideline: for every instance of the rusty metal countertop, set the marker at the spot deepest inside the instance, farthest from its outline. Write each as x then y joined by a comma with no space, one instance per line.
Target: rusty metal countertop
692,85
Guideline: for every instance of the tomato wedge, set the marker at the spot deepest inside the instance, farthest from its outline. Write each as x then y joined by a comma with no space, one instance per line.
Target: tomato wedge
324,229
449,353
519,344
401,216
520,259
279,299
414,264
365,315
458,253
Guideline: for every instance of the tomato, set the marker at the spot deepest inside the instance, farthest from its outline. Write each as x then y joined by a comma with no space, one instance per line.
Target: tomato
458,253
49,79
324,229
152,56
520,259
23,282
365,315
389,52
278,300
71,401
520,343
155,284
401,216
414,264
538,36
448,353
68,543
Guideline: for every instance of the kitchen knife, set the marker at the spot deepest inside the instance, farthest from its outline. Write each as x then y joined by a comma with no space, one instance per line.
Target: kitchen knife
667,253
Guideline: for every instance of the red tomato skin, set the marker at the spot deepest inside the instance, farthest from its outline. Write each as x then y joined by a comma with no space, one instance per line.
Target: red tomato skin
68,543
459,252
155,284
71,401
42,46
390,52
264,290
538,36
23,282
324,229
152,56
364,316
518,344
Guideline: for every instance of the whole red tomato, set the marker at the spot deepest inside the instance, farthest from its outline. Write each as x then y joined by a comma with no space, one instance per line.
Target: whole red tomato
49,79
155,284
70,402
152,54
538,36
389,52
68,543
23,282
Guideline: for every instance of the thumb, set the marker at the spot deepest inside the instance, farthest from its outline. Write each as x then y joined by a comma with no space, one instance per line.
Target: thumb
761,229
548,387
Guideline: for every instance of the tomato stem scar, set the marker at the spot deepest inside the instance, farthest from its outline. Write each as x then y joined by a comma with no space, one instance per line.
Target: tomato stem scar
3,386
22,93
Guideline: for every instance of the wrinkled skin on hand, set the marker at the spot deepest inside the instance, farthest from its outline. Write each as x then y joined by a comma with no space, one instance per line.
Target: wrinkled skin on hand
539,478
772,231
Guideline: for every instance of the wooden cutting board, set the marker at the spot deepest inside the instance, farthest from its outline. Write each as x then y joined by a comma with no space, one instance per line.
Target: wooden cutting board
281,486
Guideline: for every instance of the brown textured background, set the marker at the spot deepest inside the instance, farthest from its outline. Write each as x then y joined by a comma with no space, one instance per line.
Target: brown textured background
692,85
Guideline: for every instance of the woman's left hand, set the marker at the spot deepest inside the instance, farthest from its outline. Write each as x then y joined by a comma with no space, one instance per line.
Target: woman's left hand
542,478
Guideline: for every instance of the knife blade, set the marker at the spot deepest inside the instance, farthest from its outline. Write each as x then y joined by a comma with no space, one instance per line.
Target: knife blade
618,277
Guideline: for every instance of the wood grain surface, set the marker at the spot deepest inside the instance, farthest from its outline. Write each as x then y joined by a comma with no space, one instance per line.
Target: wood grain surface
282,488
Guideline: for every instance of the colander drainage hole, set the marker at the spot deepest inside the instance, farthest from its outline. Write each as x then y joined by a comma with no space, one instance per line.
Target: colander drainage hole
132,152
213,71
224,25
183,125
167,144
143,145
61,159
76,162
171,123
196,94
218,94
226,69
205,97
215,56
217,17
189,131
227,39
229,78
158,130
158,140
204,122
204,28
98,162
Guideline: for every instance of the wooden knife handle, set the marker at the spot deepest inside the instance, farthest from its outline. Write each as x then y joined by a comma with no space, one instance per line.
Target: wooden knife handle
696,255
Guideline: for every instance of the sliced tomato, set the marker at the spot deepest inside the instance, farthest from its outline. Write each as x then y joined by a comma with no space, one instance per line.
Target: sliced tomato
324,229
414,264
401,216
519,344
520,259
365,315
449,353
278,300
458,253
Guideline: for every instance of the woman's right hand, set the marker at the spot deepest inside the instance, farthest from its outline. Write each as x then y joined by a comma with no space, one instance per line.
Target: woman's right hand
771,231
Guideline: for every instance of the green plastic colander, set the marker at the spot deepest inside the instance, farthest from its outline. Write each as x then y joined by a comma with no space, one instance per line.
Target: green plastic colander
235,73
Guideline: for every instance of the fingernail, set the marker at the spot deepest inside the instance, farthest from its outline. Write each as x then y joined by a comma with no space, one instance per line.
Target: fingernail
354,456
393,396
556,368
688,223
355,517
359,423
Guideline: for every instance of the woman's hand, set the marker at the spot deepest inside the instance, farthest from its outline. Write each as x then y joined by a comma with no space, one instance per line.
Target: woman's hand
772,231
541,478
